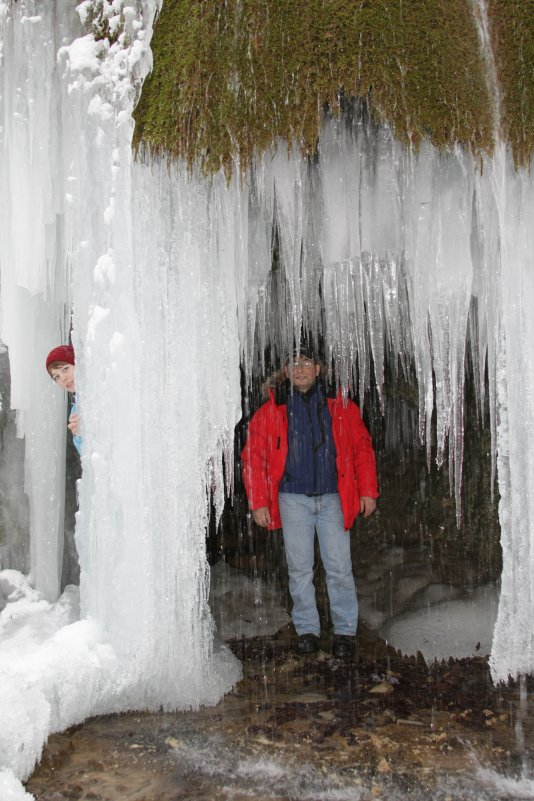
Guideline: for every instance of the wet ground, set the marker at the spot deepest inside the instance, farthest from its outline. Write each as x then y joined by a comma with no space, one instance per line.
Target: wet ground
311,729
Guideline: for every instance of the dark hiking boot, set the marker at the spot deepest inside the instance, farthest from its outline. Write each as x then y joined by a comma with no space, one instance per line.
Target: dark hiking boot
343,646
307,644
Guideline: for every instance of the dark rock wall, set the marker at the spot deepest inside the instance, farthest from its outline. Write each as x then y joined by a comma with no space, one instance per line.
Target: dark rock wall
413,539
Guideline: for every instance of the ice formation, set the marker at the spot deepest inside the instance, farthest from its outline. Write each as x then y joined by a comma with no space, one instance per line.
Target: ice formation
34,282
158,332
168,275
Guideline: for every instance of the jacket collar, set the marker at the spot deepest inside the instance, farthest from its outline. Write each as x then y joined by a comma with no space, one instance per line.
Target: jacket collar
280,393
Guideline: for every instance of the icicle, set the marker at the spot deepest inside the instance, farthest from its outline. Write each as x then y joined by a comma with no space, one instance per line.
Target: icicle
360,238
157,329
513,646
380,192
339,213
438,203
506,210
486,280
33,264
290,191
344,318
259,260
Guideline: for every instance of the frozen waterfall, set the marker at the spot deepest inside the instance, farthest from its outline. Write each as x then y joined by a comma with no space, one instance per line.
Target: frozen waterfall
167,279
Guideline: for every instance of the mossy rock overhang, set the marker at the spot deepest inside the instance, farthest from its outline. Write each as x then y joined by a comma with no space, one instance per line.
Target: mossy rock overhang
512,33
232,77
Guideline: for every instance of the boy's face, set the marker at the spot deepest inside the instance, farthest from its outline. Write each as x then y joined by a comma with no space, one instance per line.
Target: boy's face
302,373
64,377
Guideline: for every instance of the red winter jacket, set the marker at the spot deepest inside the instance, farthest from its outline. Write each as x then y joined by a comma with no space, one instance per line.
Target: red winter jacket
265,452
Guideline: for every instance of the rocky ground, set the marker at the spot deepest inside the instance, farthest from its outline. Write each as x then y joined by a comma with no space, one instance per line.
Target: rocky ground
314,729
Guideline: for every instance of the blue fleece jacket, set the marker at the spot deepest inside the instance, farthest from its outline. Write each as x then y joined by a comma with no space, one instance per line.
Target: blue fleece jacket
77,440
311,459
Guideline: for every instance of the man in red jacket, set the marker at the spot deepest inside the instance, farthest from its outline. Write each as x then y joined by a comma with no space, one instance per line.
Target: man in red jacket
309,465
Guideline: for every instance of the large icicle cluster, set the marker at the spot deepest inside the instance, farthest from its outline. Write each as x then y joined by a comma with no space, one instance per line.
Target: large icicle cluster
158,386
375,244
415,256
509,206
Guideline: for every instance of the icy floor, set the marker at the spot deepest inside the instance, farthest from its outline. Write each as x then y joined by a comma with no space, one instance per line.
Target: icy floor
307,729
458,628
57,656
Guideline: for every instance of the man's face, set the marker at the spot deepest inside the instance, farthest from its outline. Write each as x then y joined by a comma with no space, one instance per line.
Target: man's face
302,372
63,376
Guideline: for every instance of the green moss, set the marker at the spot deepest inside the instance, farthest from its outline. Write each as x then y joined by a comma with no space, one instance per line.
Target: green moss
231,77
512,26
97,21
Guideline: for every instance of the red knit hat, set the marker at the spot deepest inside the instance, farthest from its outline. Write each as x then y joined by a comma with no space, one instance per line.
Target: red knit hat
65,353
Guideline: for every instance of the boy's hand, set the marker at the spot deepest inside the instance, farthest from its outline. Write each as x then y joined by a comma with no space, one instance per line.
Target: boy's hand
74,423
261,516
367,506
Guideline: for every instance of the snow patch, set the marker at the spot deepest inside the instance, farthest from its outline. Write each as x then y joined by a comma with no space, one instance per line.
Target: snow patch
85,54
10,787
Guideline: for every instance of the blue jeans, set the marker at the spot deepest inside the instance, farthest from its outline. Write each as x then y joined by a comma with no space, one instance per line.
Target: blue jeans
301,516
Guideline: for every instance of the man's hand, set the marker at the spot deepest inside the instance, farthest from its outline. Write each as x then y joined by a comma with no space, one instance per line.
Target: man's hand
74,423
367,506
261,516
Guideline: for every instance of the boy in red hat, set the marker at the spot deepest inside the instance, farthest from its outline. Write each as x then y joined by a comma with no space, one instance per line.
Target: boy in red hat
60,367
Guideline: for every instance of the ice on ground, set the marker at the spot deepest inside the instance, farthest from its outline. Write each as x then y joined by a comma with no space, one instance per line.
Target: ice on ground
57,670
28,620
458,628
53,669
10,787
521,788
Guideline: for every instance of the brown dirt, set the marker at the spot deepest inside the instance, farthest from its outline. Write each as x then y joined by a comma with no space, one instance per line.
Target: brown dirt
308,728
